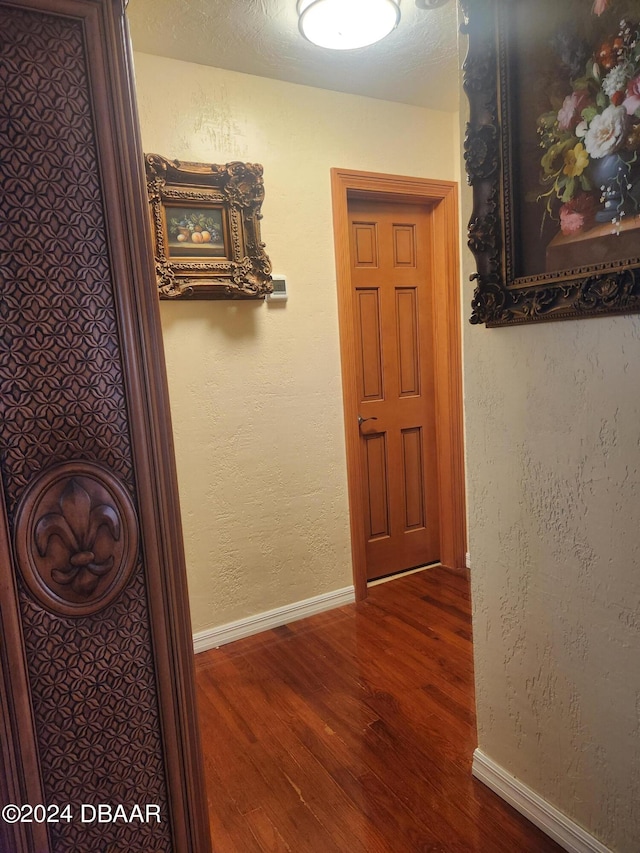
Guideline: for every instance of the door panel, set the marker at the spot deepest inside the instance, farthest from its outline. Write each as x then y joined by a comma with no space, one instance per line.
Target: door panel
377,485
404,244
365,244
370,341
407,337
412,470
391,279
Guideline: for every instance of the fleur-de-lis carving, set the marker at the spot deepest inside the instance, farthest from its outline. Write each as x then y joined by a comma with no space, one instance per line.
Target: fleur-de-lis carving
77,526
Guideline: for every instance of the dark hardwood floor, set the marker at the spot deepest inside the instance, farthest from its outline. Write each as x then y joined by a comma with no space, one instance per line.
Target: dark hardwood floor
353,732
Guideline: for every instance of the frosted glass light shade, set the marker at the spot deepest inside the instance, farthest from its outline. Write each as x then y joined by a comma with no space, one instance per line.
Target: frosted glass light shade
347,24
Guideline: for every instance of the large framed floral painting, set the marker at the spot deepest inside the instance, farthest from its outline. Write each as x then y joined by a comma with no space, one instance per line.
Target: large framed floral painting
205,222
553,156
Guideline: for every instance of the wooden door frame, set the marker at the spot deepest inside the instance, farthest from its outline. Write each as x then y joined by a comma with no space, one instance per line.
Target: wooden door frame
442,196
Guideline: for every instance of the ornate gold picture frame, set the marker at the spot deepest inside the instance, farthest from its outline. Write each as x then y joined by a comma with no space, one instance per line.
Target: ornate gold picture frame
553,155
206,228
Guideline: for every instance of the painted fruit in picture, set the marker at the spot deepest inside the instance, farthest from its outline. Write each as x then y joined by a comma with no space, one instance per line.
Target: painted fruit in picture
195,232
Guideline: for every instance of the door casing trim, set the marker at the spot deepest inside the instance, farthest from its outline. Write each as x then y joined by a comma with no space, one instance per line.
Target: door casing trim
442,196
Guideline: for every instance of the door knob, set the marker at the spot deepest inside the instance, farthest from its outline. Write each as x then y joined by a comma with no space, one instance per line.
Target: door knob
361,420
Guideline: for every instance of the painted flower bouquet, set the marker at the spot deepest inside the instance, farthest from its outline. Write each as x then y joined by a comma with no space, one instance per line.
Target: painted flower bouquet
591,139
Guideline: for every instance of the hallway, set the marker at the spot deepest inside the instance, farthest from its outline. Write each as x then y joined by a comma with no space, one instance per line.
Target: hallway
353,730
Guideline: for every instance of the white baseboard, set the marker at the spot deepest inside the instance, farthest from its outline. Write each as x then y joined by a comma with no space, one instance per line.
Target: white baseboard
212,638
569,835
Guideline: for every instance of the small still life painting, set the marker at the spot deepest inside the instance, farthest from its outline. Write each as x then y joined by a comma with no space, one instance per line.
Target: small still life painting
195,232
205,221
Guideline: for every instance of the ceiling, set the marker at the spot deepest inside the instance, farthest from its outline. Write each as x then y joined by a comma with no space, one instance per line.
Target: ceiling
416,64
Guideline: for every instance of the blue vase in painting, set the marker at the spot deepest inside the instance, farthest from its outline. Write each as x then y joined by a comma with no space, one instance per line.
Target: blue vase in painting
617,176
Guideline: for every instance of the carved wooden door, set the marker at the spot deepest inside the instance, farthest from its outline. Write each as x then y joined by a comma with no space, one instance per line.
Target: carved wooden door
391,278
96,674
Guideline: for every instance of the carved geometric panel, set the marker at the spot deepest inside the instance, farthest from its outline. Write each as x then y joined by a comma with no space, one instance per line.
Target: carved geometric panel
407,337
76,538
63,399
368,319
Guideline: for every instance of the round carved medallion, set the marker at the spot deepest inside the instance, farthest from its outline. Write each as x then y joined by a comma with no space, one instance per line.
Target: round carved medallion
76,538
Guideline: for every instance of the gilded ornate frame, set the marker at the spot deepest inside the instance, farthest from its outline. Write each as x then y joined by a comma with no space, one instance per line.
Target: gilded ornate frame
500,297
235,192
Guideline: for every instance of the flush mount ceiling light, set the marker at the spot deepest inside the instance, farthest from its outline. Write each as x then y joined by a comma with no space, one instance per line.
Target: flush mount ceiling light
430,4
347,24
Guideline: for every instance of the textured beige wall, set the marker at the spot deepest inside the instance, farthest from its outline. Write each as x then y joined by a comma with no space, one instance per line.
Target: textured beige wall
553,466
255,389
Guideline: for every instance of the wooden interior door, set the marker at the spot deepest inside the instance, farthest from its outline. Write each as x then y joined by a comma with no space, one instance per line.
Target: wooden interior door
392,291
97,704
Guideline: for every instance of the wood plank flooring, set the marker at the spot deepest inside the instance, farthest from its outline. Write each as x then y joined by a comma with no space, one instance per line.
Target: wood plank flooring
353,732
